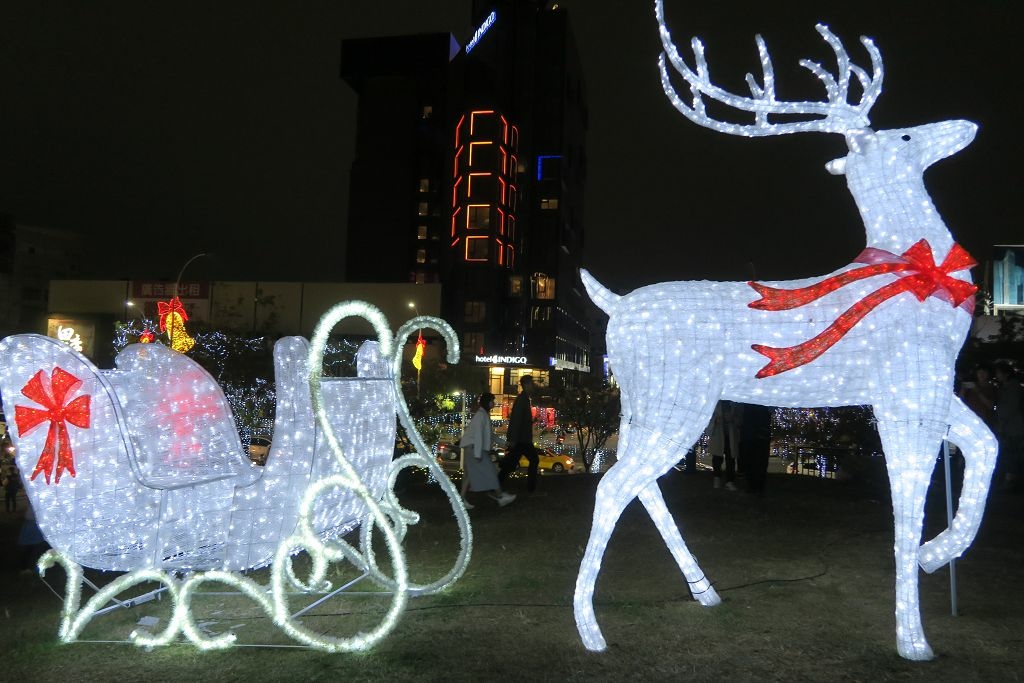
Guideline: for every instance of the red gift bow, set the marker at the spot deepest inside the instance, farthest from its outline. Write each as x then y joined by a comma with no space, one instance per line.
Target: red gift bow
165,308
925,279
58,414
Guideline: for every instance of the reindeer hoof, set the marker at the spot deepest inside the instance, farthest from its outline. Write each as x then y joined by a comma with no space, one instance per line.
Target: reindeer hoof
930,558
918,651
593,640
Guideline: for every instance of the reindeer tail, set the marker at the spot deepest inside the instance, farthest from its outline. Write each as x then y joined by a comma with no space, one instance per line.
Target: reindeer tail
604,298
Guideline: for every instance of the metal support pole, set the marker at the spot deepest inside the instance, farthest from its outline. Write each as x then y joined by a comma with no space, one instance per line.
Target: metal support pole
949,525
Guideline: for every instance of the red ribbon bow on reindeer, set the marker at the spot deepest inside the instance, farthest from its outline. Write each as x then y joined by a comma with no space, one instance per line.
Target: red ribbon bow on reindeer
58,414
165,308
925,279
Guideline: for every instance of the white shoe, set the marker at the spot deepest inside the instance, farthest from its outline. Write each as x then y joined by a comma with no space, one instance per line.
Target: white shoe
466,504
504,499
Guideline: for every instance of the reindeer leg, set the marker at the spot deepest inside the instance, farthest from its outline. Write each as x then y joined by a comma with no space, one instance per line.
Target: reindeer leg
978,445
613,494
910,448
700,587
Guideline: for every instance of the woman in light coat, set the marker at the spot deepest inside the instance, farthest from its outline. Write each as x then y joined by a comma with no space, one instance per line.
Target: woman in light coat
479,472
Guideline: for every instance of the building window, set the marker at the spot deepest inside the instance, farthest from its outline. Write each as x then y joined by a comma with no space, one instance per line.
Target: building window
549,203
477,248
543,286
424,184
421,256
476,311
540,315
515,285
478,217
473,341
421,277
428,111
497,381
421,232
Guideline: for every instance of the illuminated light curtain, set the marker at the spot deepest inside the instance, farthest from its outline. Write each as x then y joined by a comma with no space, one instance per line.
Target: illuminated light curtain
162,484
884,331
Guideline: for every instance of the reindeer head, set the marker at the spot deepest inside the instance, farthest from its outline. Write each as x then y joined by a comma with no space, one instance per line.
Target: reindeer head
877,159
913,149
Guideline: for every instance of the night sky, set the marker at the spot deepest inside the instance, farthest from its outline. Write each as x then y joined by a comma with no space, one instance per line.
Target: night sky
163,130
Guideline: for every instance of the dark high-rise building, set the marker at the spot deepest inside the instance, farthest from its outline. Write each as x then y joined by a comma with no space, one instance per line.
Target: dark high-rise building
485,193
400,172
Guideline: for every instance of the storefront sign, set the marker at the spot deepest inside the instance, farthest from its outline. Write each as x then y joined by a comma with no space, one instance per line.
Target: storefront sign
501,360
78,334
158,289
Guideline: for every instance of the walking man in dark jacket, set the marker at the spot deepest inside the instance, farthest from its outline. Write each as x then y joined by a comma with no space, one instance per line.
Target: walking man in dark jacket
520,437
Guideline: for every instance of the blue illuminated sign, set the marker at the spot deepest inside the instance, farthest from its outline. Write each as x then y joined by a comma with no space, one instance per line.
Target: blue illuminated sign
488,22
540,163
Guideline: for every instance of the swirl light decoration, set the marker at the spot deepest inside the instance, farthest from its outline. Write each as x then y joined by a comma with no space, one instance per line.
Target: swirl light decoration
156,483
884,331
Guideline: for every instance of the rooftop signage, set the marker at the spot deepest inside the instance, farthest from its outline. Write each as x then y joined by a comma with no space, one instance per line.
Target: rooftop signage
488,22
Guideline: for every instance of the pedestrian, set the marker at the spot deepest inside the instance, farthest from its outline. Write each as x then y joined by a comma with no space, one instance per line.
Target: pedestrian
980,395
755,442
722,443
11,483
1010,425
31,540
479,473
520,438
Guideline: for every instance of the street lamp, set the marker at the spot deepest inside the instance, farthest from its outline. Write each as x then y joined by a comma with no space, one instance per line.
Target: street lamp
181,272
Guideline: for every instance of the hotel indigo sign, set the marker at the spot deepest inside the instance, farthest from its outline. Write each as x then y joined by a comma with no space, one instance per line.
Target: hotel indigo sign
501,360
488,22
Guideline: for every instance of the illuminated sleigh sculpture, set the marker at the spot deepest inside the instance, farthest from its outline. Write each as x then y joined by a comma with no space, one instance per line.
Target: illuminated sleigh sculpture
148,474
883,331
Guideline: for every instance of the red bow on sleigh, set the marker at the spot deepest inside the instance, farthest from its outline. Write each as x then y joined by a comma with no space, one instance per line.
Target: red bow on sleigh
57,414
165,308
924,279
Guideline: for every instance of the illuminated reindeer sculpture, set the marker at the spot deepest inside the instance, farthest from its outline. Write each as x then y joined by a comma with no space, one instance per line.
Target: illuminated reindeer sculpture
883,331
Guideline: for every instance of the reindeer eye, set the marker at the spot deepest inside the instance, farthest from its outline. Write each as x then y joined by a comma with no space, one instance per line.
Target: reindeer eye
905,137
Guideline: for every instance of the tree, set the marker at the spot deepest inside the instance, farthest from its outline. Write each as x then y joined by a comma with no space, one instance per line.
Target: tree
590,410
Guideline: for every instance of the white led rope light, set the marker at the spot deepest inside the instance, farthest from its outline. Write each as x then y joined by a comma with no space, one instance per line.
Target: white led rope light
884,331
314,533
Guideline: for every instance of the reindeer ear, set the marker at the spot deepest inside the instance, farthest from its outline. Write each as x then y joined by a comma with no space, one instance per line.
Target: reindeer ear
836,166
858,140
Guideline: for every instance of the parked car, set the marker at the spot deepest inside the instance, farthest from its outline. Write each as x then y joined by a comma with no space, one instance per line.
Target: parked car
549,460
447,451
259,448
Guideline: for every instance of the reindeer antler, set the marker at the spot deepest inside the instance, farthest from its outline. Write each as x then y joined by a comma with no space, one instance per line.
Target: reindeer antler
835,115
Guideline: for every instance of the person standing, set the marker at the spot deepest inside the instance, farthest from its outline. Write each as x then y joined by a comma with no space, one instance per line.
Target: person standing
722,444
520,437
755,442
479,473
980,395
11,483
1010,425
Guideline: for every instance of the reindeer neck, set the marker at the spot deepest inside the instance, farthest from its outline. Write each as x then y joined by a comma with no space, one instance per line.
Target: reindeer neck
898,213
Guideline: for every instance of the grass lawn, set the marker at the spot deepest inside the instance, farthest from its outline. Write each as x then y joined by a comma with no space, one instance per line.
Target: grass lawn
805,573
